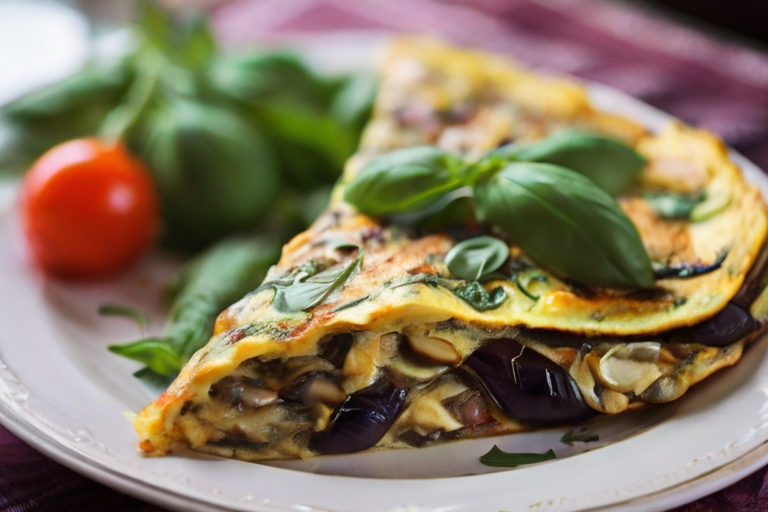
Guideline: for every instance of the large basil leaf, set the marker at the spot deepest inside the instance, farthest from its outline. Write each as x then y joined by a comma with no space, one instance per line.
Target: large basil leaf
214,171
471,259
307,287
610,163
404,181
566,223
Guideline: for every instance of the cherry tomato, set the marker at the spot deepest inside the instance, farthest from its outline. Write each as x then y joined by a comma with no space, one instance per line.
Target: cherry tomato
88,209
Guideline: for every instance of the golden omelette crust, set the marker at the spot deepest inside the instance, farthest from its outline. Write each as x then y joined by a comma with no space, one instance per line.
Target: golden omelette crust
470,102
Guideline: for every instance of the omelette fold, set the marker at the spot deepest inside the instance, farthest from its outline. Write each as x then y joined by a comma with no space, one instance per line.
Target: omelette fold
388,355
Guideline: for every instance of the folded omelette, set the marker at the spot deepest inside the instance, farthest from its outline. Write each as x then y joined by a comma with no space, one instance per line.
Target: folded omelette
359,340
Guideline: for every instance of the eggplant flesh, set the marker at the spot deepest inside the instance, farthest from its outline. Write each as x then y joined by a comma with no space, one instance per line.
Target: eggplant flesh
526,385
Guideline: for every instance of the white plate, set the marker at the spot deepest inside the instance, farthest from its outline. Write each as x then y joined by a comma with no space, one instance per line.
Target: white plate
61,391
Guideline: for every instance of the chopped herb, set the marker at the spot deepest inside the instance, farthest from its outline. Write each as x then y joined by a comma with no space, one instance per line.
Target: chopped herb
140,317
474,294
500,458
352,304
306,287
684,271
579,435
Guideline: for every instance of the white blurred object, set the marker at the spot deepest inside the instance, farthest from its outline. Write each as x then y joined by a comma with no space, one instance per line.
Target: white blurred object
41,41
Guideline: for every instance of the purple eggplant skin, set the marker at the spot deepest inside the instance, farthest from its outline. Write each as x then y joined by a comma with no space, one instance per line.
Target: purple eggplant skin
361,420
527,385
730,325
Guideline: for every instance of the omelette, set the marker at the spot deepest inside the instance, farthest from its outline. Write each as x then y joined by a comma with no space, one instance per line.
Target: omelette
363,337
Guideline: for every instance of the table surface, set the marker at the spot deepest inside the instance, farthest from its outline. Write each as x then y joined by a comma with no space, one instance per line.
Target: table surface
712,83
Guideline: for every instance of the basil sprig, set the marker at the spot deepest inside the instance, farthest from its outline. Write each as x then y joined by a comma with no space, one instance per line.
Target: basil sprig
562,216
562,219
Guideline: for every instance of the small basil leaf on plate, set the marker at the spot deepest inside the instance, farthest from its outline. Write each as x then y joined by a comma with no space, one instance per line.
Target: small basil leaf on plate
608,162
309,290
474,294
500,458
566,223
673,205
404,181
473,258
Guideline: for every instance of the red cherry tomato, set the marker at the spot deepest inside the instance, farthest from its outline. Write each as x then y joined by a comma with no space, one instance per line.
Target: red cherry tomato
88,209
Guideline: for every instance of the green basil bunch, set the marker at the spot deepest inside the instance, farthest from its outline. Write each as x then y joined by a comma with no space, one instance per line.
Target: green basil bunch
552,197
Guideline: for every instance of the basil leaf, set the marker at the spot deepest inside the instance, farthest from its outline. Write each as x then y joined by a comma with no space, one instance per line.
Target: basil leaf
673,205
471,259
353,102
500,458
214,171
308,289
81,99
404,181
153,379
609,163
155,353
258,78
566,223
474,294
316,131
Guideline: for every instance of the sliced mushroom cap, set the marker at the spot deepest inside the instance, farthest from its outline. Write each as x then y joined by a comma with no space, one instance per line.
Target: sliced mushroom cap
630,367
436,349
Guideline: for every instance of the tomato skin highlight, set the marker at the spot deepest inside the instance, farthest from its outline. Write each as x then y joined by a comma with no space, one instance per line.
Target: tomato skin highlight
88,209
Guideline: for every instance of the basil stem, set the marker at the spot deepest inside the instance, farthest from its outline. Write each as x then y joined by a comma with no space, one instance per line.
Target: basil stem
140,317
474,258
404,181
609,163
566,223
500,458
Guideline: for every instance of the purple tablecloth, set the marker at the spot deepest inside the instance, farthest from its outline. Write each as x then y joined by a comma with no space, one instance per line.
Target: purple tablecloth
718,85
